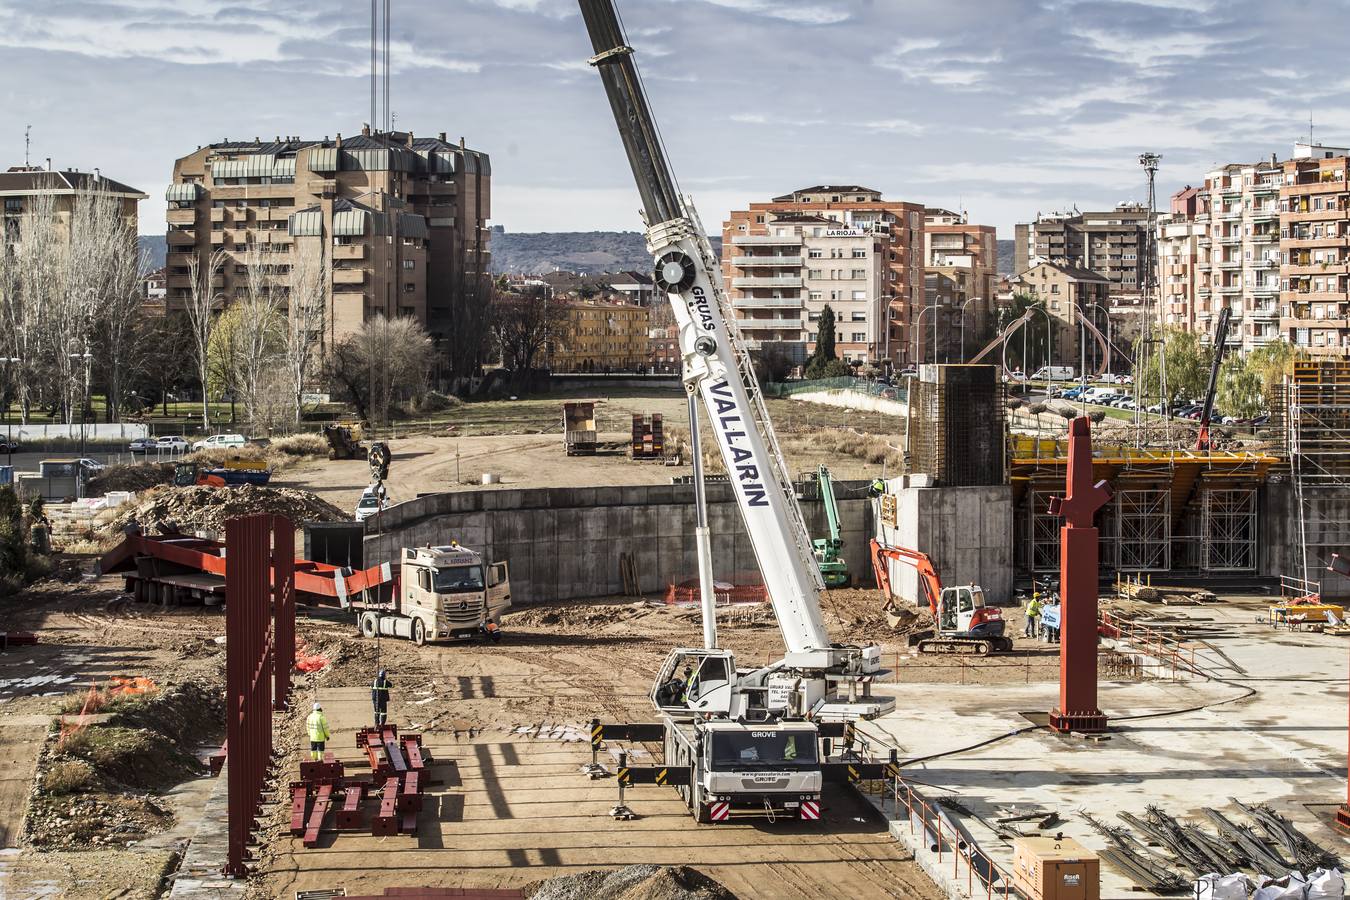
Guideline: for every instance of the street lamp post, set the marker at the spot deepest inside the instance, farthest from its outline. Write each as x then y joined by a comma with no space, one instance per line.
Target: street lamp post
1109,345
1048,339
9,427
914,327
963,325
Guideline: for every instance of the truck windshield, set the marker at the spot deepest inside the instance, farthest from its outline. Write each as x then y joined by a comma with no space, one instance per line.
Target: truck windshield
763,749
456,579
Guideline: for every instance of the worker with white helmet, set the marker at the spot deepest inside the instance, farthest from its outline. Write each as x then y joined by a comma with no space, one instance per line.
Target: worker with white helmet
317,726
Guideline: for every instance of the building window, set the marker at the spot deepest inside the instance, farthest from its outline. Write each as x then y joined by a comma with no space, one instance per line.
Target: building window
1054,289
859,317
860,253
859,337
409,264
814,295
815,254
860,295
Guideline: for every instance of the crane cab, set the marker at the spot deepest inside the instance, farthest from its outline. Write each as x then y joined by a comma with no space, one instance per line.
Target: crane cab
696,681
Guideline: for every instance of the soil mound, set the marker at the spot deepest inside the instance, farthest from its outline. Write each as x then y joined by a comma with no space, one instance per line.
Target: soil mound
645,882
209,508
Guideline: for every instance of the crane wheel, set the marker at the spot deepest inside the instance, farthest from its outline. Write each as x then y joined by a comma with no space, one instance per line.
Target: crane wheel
332,454
419,633
701,814
368,625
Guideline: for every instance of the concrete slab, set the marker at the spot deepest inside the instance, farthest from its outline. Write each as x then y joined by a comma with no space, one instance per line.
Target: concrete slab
1271,731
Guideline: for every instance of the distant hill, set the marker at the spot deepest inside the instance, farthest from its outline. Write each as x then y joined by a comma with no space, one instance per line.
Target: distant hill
1005,257
153,246
585,252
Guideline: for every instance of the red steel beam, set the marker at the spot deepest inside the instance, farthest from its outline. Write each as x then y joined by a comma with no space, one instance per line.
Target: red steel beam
316,816
1077,709
283,607
349,816
299,790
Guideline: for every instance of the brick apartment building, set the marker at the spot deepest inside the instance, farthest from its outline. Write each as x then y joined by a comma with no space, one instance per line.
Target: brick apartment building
600,336
1111,243
402,218
960,279
21,184
1267,240
838,245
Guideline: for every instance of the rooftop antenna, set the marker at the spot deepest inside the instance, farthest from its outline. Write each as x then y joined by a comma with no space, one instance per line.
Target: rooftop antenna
374,122
27,130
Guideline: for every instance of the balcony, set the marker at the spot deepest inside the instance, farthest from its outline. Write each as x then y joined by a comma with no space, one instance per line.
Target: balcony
1230,264
1265,215
1229,214
1230,289
180,238
782,281
773,324
1230,239
349,276
181,216
766,240
1269,237
766,302
1265,189
349,251
1265,311
178,259
218,214
747,261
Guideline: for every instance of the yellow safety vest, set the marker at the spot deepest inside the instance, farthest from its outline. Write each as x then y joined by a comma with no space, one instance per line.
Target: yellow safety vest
317,726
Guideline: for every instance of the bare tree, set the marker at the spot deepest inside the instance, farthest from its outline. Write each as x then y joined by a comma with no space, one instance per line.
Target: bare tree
384,363
311,271
200,310
521,327
262,335
35,276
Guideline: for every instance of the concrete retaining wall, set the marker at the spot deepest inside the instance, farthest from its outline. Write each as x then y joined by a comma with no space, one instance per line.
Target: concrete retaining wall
966,531
565,543
855,400
1327,522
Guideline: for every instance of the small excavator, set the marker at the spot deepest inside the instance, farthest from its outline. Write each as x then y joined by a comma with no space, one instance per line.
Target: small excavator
962,623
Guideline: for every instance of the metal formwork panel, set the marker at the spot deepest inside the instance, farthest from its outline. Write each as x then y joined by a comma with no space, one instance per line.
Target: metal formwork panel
1228,529
1042,531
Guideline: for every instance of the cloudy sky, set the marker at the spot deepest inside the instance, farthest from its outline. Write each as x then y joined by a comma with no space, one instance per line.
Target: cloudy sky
1004,107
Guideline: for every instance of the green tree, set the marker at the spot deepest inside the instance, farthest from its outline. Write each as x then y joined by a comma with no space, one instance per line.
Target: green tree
1241,391
830,368
1187,365
825,351
1271,363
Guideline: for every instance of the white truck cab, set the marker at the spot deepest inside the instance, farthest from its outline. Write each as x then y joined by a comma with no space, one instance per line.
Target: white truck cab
443,592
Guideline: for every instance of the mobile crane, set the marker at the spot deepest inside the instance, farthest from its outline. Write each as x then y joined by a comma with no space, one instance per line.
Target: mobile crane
833,569
746,739
1202,441
961,621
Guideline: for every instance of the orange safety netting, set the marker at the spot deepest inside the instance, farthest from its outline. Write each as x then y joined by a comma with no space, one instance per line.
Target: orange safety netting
306,659
724,593
117,686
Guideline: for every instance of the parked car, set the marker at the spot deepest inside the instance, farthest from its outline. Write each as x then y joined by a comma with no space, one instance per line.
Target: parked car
911,372
8,445
90,466
141,445
1053,373
370,504
1261,419
175,443
1073,393
220,440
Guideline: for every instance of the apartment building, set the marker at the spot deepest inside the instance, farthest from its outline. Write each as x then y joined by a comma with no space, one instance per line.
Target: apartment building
960,279
22,184
844,246
402,218
1112,243
1182,261
1067,292
1314,294
600,336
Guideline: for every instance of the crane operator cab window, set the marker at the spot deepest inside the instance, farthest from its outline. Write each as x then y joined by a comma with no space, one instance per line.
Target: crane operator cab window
767,749
700,683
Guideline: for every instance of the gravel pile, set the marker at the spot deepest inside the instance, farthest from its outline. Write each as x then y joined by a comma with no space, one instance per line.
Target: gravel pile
209,508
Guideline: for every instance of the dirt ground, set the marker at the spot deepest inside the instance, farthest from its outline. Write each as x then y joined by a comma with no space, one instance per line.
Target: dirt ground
522,443
484,707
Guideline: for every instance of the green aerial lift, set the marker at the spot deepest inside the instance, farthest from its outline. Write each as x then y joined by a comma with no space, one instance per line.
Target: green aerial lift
832,566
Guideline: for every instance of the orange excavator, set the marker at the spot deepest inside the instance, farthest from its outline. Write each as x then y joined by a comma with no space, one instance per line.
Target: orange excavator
962,623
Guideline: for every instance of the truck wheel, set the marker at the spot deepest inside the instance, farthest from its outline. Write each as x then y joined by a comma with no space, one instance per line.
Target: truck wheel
701,814
419,632
368,627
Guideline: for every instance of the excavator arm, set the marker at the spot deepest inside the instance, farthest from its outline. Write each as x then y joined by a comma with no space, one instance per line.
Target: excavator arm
928,576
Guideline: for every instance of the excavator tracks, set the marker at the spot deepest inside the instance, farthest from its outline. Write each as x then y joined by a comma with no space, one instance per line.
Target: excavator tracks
966,646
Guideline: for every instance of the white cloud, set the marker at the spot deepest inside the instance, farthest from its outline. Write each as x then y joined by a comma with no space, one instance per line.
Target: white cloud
788,11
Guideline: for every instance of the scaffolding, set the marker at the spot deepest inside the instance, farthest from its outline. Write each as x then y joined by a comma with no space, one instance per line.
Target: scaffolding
1140,521
1313,410
1229,526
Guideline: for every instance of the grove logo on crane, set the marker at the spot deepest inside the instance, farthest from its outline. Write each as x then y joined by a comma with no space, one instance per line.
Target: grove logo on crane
732,427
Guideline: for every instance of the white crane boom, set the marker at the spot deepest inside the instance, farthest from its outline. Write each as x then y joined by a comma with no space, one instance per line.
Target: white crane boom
717,365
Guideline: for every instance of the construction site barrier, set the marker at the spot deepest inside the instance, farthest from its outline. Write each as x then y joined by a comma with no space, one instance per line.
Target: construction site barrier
678,594
1171,654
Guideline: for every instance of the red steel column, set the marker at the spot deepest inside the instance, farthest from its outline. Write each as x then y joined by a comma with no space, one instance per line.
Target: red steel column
1341,566
1077,709
248,683
283,607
